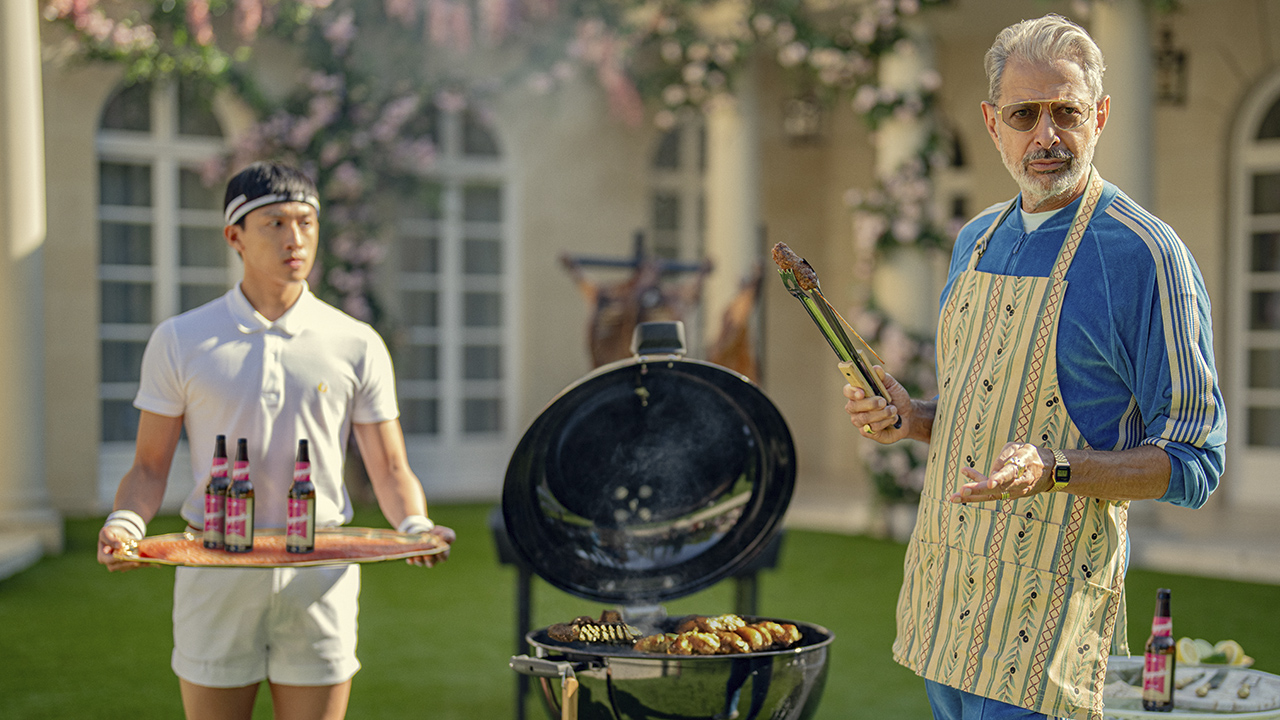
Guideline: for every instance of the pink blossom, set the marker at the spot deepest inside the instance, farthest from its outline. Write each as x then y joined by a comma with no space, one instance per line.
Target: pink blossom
540,9
199,21
416,155
394,115
864,99
347,181
672,51
341,32
248,18
792,54
406,11
449,24
496,18
357,306
331,153
763,24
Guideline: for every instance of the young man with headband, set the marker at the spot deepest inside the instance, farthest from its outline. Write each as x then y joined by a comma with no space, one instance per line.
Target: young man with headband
270,362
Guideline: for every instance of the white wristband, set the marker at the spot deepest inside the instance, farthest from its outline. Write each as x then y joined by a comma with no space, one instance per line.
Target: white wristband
416,524
128,520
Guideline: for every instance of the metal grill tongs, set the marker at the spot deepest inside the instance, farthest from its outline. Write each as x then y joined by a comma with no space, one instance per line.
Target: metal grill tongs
839,335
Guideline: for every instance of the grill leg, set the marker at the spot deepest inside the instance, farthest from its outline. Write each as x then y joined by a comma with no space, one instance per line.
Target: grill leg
524,586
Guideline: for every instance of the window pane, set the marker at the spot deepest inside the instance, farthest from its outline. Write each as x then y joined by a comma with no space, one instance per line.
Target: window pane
193,194
1264,311
125,243
420,308
1264,427
482,257
195,110
1266,193
1266,252
121,360
1270,128
193,296
419,362
201,247
424,202
124,302
121,184
482,204
1264,369
477,140
482,362
129,109
119,421
666,211
420,417
481,415
482,309
667,156
420,254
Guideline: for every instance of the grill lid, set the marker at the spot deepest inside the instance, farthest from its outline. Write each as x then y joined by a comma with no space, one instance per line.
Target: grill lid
648,480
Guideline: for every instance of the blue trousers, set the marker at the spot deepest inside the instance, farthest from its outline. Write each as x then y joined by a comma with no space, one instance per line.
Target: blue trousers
949,703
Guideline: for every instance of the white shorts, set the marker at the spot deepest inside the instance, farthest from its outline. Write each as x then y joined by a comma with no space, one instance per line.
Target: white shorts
238,626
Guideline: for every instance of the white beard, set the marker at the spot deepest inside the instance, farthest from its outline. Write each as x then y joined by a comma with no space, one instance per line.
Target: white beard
1039,189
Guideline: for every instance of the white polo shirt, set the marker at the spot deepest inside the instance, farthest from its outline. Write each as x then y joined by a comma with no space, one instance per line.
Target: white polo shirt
310,374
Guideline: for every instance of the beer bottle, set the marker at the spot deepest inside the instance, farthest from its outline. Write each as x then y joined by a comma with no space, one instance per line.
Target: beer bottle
239,531
1159,659
300,524
215,496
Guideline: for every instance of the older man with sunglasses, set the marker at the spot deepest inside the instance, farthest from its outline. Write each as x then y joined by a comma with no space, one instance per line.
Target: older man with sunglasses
1075,374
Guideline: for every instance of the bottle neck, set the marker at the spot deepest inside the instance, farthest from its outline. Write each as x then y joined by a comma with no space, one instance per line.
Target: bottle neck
1162,626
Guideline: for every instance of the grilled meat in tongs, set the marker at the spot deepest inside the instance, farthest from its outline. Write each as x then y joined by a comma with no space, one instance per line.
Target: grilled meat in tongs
801,281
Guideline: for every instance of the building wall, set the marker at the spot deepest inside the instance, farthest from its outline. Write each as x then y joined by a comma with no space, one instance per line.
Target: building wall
579,180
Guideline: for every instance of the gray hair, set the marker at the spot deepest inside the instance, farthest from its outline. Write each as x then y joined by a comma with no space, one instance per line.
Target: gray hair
1044,40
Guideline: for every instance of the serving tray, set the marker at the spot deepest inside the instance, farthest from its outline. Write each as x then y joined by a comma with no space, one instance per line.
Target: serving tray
334,546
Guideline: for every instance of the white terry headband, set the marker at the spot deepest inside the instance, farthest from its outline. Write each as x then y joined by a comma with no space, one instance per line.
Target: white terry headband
242,205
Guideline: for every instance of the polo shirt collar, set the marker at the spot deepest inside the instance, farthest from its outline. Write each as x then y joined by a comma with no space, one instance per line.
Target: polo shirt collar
250,321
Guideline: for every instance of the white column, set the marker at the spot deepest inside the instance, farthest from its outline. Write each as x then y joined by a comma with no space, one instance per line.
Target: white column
1126,152
24,498
733,197
903,282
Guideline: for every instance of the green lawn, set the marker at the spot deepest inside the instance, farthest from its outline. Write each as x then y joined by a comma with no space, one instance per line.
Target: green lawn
77,642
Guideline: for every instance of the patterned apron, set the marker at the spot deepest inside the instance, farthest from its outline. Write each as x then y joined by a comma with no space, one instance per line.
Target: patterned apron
1016,600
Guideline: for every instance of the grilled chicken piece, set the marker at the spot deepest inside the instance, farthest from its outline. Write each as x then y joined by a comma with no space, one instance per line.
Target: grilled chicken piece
588,630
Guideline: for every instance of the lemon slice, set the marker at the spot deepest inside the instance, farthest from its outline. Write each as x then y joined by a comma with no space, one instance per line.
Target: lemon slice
1232,650
1187,652
1204,648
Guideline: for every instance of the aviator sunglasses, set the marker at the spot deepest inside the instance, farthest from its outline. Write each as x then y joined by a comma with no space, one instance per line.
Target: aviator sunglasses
1065,114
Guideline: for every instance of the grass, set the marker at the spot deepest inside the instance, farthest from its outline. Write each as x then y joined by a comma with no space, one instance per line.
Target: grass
78,642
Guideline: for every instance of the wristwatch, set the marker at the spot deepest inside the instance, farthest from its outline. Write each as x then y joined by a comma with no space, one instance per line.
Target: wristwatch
1061,470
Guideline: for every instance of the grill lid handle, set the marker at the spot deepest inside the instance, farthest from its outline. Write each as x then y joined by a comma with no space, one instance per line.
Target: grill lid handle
658,338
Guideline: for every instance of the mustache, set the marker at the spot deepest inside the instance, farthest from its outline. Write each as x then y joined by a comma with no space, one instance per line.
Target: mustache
1058,153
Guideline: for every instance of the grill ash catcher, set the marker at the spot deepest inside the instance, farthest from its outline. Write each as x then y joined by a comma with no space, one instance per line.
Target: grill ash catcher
647,480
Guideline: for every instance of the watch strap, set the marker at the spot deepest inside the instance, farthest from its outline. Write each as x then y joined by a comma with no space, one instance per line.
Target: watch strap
1061,470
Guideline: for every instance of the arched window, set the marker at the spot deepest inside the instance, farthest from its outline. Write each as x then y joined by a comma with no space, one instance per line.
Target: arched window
161,250
453,265
1254,329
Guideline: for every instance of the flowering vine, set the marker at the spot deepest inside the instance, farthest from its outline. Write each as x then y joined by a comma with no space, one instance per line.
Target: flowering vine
361,116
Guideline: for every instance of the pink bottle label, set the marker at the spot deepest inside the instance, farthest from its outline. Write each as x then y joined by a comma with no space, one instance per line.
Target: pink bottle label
301,471
215,509
239,529
299,525
1156,677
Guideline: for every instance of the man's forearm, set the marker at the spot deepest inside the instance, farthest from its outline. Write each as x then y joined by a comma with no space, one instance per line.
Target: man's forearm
923,413
1140,473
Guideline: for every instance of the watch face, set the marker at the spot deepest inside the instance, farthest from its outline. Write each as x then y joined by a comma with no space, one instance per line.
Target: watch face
1061,474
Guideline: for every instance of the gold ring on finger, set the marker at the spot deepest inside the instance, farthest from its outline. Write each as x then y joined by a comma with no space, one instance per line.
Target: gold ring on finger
1004,495
867,429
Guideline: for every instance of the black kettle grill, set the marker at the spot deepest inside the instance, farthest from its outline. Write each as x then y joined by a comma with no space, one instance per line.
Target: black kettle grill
647,480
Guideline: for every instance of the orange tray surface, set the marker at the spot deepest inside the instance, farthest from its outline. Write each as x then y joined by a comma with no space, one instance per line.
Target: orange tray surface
334,546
